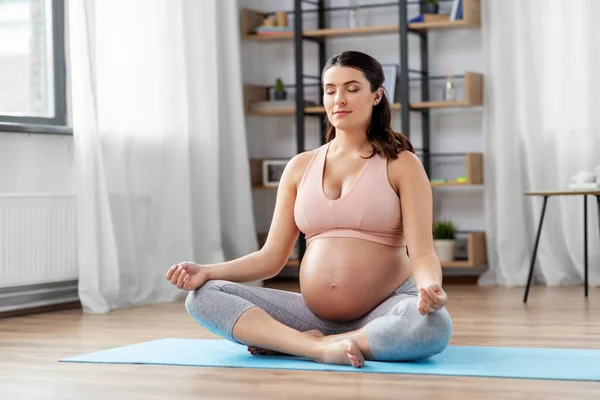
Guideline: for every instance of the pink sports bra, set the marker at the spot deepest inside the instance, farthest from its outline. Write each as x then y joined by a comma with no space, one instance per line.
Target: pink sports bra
370,210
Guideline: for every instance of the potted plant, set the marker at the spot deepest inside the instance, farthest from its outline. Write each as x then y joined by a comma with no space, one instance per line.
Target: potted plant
431,7
444,239
280,92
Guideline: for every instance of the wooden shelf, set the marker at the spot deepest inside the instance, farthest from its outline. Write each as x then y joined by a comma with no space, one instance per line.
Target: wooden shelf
440,104
440,184
272,37
251,19
258,186
293,264
476,252
362,31
287,111
324,33
474,172
308,110
442,25
345,32
473,95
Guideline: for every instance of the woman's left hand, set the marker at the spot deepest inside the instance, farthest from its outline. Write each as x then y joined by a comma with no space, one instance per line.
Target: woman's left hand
431,298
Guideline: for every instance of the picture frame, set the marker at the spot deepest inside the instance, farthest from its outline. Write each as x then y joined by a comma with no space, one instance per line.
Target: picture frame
272,170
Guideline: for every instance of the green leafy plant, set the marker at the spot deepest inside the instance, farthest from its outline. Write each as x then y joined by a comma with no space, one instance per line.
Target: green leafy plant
431,1
279,87
444,230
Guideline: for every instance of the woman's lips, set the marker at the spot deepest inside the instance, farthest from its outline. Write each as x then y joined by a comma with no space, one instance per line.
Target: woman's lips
341,113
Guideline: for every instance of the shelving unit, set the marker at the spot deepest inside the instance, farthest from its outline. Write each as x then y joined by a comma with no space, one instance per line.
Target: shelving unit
473,89
476,252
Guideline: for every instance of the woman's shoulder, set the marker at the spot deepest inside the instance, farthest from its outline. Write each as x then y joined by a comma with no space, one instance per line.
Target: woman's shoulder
407,166
301,160
298,164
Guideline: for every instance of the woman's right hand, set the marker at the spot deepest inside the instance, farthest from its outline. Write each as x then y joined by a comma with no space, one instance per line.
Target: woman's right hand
187,275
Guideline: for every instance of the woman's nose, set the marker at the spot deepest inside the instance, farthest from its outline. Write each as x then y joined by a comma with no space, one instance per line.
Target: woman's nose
340,99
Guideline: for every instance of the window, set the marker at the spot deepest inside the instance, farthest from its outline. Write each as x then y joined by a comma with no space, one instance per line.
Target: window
32,63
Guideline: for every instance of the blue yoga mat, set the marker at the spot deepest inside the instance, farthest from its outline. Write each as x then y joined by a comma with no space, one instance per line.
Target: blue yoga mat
499,362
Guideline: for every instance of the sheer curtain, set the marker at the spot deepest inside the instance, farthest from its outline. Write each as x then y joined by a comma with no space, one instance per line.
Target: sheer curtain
161,165
542,126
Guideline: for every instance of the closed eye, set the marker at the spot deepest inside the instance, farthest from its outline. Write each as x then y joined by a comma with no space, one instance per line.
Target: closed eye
353,90
353,85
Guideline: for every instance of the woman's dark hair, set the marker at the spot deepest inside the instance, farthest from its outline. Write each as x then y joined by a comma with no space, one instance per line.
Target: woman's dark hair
380,133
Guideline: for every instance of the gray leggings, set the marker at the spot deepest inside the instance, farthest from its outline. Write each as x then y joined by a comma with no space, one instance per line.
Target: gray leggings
395,330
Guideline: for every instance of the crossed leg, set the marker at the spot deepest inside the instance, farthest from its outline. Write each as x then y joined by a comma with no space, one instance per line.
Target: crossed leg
279,321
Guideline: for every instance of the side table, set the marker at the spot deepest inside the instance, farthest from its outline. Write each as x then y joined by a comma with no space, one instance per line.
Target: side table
546,194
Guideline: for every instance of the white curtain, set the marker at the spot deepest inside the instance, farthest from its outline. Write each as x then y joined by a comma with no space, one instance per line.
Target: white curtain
161,163
542,125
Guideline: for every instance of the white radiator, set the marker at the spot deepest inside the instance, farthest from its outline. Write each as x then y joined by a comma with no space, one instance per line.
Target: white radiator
38,248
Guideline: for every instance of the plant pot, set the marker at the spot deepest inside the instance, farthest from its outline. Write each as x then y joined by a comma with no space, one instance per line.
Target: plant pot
445,249
280,95
431,8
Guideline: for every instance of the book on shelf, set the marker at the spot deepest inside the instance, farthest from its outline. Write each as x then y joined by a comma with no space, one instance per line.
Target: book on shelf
457,10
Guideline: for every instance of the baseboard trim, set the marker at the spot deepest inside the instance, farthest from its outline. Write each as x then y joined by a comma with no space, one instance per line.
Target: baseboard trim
35,298
42,309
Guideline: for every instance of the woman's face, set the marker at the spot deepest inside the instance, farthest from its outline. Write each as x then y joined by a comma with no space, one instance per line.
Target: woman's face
347,98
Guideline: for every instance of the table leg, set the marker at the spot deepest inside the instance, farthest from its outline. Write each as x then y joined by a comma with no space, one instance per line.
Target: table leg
535,247
585,245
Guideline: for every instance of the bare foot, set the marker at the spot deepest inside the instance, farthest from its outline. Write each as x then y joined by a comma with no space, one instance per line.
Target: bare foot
345,352
258,351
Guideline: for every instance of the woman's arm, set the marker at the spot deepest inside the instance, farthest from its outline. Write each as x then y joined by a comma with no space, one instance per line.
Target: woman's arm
283,233
416,201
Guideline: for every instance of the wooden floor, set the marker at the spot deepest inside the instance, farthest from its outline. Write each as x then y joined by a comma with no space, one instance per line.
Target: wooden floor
30,347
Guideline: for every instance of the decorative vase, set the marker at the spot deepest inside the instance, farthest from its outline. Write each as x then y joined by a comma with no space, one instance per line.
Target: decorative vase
280,94
445,249
449,92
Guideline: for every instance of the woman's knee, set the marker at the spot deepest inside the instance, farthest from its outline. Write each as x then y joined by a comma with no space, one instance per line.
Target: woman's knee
412,336
436,330
196,299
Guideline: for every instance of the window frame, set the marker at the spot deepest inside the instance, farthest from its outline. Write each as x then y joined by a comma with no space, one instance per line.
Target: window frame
58,123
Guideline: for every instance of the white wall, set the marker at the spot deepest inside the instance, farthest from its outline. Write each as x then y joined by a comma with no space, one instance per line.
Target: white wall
452,130
35,163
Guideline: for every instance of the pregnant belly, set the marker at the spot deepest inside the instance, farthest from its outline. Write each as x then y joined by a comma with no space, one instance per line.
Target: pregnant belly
342,279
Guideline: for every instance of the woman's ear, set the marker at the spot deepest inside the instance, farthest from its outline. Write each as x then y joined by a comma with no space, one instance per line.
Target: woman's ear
377,96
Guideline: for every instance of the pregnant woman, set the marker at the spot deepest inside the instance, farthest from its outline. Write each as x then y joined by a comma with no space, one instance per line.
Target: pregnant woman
370,280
